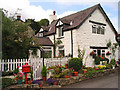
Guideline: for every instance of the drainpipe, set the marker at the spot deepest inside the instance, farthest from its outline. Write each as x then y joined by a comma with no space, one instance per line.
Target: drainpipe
71,44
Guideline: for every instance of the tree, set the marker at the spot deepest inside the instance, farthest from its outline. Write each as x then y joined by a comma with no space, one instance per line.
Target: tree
43,22
33,24
17,38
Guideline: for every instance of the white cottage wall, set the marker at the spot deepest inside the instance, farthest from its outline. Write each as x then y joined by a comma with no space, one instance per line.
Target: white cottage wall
85,38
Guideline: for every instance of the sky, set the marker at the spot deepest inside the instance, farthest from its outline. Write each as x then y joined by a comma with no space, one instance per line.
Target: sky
40,9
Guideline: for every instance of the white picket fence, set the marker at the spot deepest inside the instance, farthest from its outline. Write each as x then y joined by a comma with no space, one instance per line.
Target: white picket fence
36,63
11,64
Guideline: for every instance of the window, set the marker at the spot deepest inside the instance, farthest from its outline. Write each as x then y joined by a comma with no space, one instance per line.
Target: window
94,29
102,30
60,32
40,35
98,29
47,52
103,53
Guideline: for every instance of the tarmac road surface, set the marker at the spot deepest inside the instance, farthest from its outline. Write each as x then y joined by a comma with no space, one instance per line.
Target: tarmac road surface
107,81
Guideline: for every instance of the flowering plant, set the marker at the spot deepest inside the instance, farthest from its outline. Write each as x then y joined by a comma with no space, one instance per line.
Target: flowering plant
59,55
19,75
108,53
91,53
71,70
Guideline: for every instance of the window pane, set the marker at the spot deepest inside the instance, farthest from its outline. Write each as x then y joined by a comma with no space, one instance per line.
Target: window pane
93,29
102,30
98,30
59,32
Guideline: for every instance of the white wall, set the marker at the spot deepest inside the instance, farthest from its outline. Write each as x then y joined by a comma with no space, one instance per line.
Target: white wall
85,38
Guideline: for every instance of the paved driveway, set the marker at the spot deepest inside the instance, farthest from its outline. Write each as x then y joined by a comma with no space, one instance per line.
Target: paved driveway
108,81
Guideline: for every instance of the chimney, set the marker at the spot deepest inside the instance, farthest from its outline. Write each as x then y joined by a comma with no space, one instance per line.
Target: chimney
52,17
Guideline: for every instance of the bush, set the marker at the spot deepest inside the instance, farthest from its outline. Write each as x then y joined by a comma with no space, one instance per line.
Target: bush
4,73
97,60
108,66
16,71
44,71
75,63
7,82
112,62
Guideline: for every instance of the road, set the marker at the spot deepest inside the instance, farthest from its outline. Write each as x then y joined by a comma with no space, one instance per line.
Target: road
108,81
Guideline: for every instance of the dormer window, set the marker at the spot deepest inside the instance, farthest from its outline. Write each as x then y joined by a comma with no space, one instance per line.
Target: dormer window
60,33
40,35
71,23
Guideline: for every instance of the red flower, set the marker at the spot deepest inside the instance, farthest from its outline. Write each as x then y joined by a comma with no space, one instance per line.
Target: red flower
102,57
17,66
92,53
116,34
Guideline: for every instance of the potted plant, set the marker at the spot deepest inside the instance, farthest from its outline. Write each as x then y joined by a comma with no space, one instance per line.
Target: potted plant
92,53
84,70
19,77
44,73
71,71
108,53
66,65
75,73
112,62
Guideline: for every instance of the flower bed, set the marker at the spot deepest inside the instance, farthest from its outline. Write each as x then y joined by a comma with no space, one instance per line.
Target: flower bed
81,77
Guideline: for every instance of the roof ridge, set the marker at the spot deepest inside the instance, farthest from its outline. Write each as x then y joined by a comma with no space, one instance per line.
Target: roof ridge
81,11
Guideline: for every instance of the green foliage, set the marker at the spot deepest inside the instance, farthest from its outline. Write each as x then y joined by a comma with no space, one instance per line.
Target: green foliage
44,71
112,47
90,72
43,22
81,54
56,43
16,71
75,63
109,44
7,82
17,37
97,60
108,66
34,25
112,62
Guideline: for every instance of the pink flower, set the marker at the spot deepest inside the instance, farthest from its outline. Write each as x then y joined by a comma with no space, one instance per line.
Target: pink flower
15,74
19,72
73,70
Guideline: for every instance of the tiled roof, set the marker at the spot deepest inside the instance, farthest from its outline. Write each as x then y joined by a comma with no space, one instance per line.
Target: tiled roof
45,41
76,18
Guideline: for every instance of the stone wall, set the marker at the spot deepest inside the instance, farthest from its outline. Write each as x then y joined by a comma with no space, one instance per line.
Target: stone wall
80,77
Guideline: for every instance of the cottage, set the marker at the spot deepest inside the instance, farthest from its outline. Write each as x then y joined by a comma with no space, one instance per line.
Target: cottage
89,29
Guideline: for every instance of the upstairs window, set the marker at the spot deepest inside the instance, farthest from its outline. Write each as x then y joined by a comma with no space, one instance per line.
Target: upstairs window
40,35
98,29
94,29
60,31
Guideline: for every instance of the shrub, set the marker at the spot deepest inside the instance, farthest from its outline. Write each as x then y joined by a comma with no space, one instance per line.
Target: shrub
97,60
75,63
112,62
16,71
7,82
108,66
44,71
